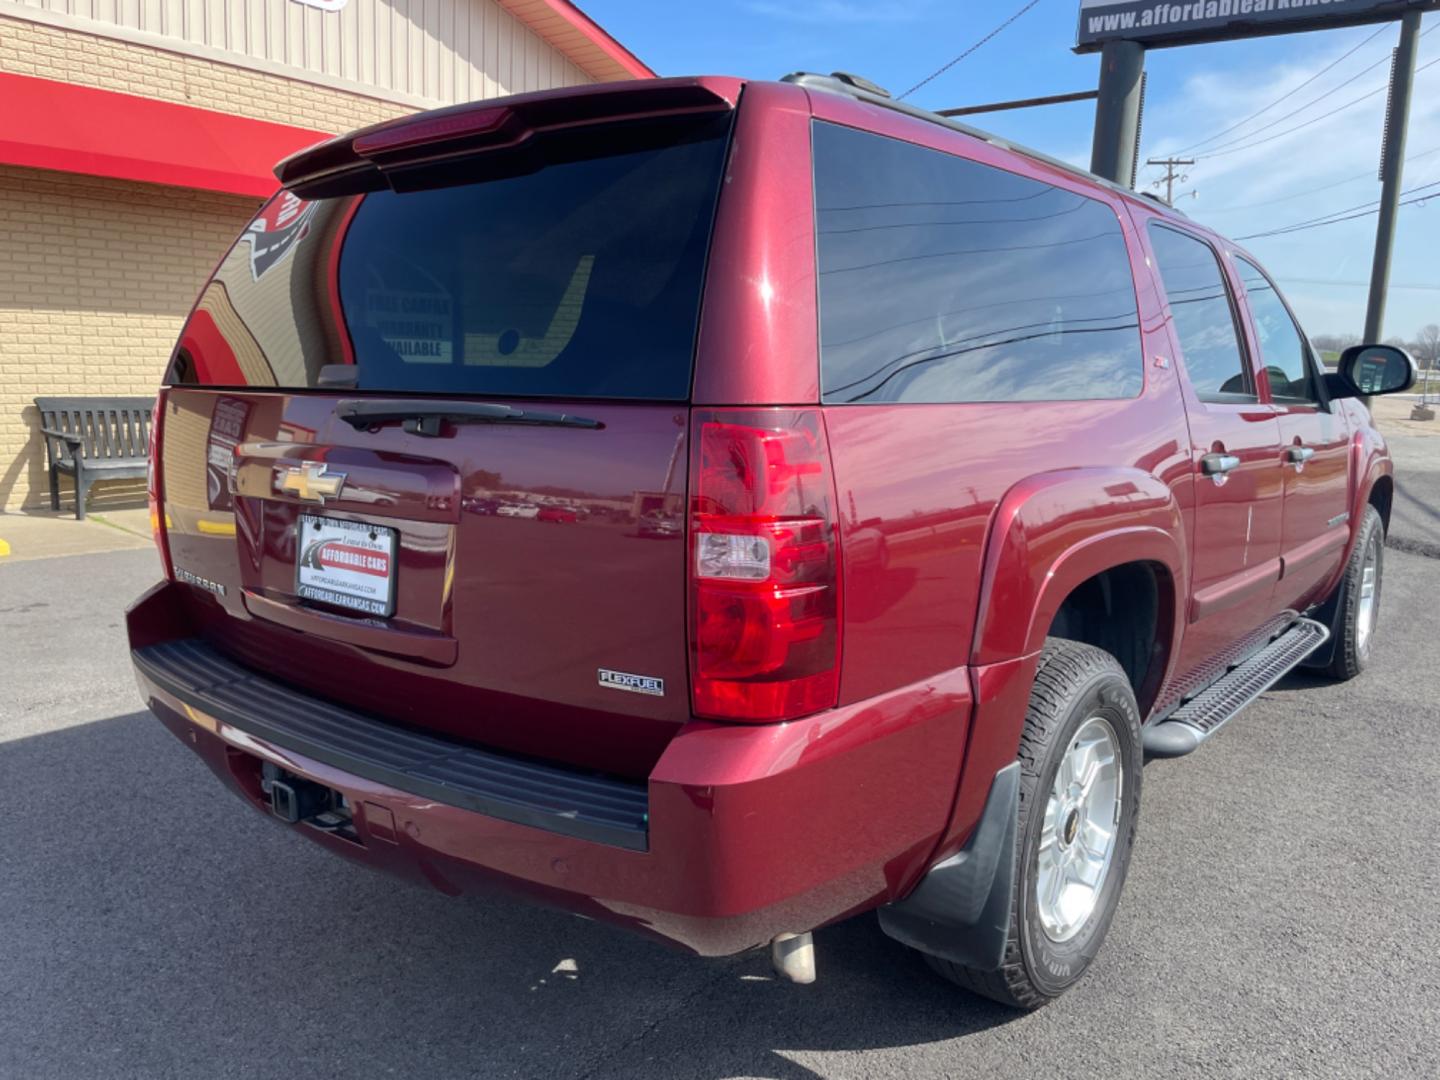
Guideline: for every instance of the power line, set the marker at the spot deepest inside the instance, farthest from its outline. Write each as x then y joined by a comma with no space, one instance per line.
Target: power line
1232,148
1289,94
1312,102
1296,112
1317,224
984,40
1307,123
1350,213
1369,204
1368,174
1355,284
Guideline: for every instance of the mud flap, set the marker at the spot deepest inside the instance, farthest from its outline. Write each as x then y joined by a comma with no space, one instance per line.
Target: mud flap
1327,614
960,911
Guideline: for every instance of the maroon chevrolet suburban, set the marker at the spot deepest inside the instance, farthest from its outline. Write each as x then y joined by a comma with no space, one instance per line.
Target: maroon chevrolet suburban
725,507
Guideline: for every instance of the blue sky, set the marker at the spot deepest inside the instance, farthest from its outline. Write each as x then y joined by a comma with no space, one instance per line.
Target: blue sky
1193,93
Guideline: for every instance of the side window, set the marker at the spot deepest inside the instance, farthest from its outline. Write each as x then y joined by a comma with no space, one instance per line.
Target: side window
1283,350
944,280
1204,317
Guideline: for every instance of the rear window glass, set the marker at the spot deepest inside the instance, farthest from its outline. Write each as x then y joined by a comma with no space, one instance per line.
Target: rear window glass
944,280
576,272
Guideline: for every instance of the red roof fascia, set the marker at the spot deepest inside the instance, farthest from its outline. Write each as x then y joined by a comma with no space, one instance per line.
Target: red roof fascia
80,129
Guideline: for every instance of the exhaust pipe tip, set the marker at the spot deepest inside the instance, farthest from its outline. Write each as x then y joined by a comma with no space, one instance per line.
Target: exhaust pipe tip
793,957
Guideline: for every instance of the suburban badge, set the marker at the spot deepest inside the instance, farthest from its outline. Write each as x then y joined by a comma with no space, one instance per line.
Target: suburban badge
181,574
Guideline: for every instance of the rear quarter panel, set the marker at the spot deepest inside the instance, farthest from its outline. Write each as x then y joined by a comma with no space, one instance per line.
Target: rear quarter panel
925,490
758,343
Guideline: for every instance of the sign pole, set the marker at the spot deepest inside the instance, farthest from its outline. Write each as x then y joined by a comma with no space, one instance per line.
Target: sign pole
1117,111
1392,167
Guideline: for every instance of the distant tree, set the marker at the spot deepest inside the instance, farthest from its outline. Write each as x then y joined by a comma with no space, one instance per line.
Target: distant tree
1336,343
1427,346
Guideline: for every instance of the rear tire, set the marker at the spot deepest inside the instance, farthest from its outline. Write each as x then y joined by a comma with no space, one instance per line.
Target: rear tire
1359,608
1081,710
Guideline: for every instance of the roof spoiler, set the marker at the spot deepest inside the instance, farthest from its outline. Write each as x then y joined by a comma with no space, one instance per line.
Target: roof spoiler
498,122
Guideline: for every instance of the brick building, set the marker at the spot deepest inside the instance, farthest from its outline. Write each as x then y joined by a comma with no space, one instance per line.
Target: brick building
136,139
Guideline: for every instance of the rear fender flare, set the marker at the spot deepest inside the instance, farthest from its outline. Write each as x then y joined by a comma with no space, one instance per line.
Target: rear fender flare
1053,531
1050,533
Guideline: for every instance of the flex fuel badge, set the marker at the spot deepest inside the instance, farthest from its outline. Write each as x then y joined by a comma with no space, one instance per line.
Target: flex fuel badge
634,684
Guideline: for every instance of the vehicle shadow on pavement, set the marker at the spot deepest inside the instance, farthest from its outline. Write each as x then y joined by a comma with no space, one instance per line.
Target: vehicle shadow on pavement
159,926
1302,680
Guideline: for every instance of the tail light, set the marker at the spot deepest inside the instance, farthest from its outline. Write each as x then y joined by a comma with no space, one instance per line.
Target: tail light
154,482
764,566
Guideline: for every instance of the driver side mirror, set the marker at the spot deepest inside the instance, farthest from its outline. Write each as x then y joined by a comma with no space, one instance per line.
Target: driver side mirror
1372,369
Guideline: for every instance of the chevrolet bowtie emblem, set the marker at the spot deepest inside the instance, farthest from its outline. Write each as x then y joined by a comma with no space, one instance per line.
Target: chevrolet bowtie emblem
310,482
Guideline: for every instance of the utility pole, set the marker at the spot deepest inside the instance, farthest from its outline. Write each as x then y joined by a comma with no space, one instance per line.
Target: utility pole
1173,167
1392,166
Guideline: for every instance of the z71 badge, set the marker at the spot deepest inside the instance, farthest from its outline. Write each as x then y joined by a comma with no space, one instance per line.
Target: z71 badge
635,684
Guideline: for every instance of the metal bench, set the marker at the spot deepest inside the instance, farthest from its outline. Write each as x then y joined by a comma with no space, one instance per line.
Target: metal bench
94,438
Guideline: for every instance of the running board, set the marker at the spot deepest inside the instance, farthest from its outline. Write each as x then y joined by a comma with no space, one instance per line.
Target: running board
1208,711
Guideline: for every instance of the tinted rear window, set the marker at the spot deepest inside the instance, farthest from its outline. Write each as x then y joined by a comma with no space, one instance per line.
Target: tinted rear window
944,280
572,273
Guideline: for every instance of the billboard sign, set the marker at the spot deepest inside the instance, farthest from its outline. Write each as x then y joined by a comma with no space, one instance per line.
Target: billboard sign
1158,23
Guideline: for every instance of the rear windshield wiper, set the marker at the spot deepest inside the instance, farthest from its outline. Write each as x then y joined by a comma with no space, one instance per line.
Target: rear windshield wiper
426,417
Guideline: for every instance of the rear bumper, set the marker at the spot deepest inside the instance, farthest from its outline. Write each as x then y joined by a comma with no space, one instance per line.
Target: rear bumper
740,832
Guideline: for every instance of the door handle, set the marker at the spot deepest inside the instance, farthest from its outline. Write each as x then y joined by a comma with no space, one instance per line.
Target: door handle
1218,464
1298,455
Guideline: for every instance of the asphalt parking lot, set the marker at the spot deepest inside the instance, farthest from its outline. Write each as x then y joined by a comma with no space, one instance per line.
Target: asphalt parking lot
1282,916
1415,517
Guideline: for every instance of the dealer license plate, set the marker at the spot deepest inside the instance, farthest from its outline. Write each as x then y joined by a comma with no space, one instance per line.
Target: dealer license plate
346,563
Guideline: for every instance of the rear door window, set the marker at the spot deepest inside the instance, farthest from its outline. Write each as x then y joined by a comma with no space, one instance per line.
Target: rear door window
1204,316
945,280
574,271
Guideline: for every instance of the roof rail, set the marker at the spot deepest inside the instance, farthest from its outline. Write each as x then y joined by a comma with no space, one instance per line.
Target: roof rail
853,86
859,82
1156,198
